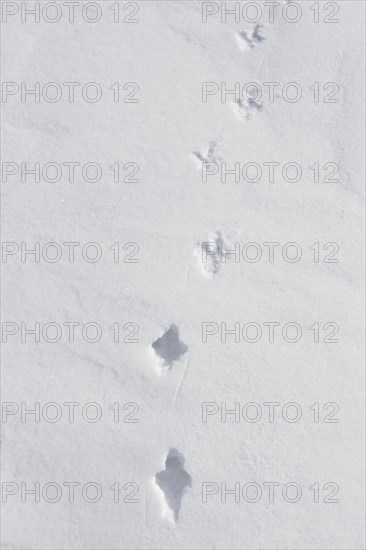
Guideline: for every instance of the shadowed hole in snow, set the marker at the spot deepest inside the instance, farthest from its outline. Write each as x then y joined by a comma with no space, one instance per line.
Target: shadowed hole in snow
173,481
169,348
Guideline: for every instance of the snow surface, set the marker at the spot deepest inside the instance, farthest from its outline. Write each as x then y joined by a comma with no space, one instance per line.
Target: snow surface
161,452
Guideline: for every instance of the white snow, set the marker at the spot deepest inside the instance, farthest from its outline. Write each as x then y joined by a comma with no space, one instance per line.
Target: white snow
161,445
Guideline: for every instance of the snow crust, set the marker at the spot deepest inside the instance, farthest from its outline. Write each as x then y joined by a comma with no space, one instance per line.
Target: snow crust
172,445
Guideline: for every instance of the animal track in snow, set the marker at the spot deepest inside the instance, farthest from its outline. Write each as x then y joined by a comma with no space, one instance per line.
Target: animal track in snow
210,255
173,482
244,109
169,348
208,156
248,39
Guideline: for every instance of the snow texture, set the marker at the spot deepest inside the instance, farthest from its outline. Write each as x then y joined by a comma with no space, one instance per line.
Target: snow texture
215,239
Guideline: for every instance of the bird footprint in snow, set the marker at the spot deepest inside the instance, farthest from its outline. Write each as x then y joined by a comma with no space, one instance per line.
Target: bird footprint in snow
248,39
